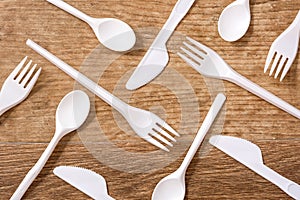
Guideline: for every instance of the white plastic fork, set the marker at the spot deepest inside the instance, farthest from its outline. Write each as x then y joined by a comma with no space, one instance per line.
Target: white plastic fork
208,63
284,49
18,85
145,124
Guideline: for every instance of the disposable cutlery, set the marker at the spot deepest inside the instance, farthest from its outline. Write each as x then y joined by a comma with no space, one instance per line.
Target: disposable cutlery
250,155
112,33
173,185
87,181
157,57
234,20
71,113
18,85
284,50
146,124
208,63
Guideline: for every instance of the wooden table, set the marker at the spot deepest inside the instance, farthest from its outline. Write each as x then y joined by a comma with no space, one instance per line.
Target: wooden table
27,128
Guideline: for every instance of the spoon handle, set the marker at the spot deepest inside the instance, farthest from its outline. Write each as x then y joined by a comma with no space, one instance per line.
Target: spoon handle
208,121
35,170
70,9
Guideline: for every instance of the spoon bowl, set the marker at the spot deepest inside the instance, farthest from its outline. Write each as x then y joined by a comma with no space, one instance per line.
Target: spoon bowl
71,113
234,21
173,185
112,33
170,187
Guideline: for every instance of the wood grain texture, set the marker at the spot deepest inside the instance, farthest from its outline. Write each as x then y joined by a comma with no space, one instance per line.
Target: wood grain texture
27,128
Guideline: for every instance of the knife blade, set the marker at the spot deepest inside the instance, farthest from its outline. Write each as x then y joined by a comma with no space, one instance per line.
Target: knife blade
157,57
87,181
250,155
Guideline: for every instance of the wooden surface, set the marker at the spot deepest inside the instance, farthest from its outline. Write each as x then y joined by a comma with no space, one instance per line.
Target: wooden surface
27,129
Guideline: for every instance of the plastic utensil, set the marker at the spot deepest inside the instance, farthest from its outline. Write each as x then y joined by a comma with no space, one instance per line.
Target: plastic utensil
250,155
87,181
210,64
234,20
173,185
71,113
145,124
112,33
18,86
157,57
284,49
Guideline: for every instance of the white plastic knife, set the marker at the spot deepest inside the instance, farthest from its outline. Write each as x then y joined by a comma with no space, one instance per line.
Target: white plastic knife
250,155
87,181
157,57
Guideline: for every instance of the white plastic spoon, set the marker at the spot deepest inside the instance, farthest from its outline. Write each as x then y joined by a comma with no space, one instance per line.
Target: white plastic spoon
173,185
112,33
71,113
234,21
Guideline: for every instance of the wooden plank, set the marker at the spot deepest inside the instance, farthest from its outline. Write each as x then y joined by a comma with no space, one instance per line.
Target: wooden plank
180,95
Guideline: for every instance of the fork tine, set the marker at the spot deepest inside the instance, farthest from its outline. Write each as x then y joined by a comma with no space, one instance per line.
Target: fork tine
193,56
286,68
164,133
200,53
159,137
198,44
269,59
156,143
24,81
280,66
188,61
275,62
23,72
169,128
34,79
14,73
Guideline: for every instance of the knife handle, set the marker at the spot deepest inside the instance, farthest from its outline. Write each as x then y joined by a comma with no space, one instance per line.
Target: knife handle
107,197
289,187
180,9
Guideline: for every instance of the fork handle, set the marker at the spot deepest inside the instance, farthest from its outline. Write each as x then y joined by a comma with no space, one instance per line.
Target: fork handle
3,109
106,96
262,93
6,104
295,23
